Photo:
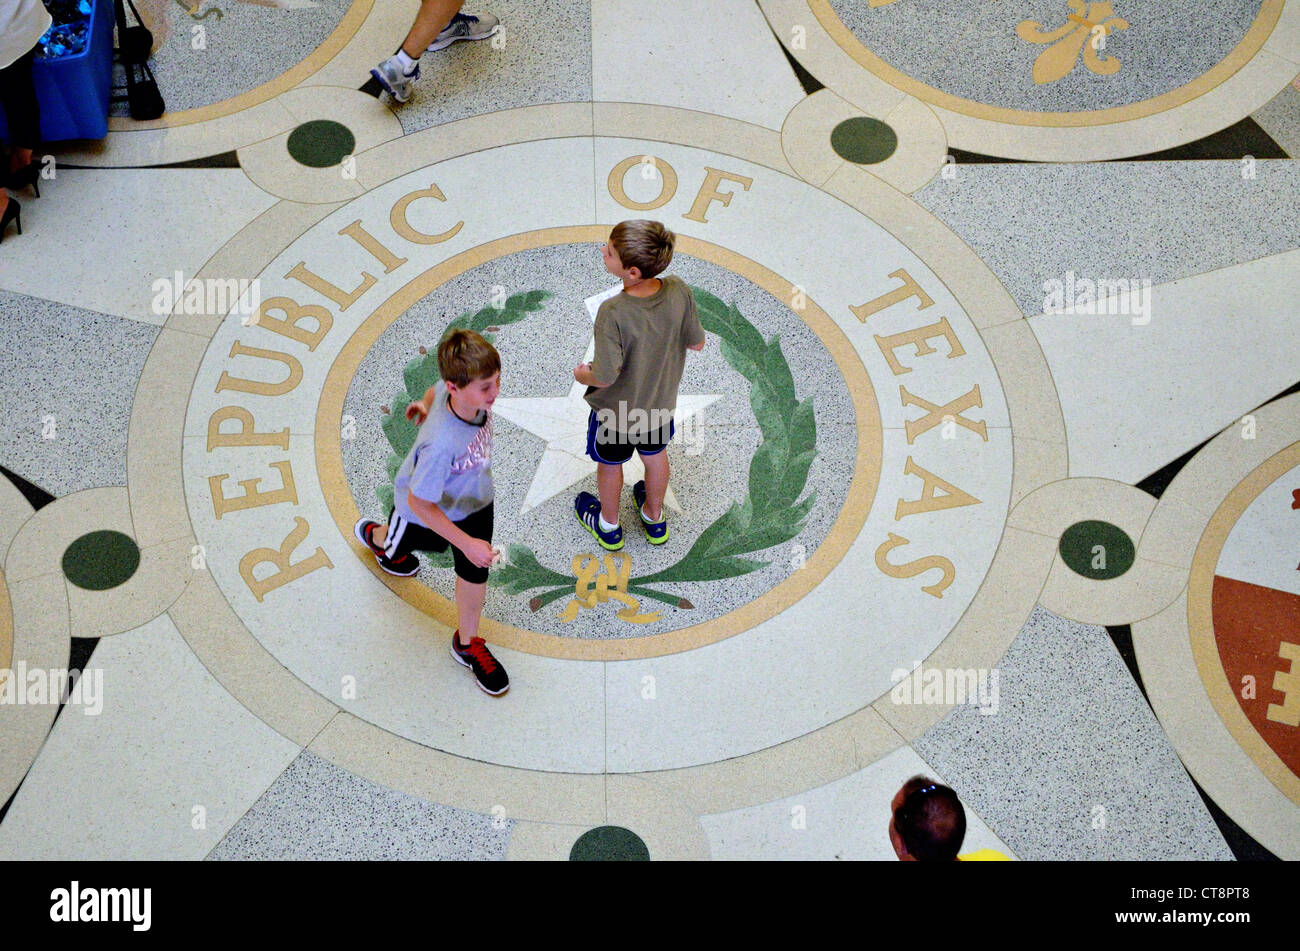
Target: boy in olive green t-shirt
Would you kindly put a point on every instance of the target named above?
(642, 336)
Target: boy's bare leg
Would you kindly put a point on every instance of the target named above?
(379, 535)
(469, 607)
(429, 22)
(609, 483)
(656, 484)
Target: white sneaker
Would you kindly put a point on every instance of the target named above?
(397, 83)
(466, 27)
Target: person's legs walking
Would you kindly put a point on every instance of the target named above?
(22, 112)
(609, 484)
(656, 484)
(469, 608)
(429, 22)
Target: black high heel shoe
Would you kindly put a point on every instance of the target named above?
(13, 212)
(29, 174)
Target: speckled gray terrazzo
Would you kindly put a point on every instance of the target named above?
(1156, 220)
(546, 58)
(315, 810)
(1280, 118)
(1072, 733)
(1163, 48)
(81, 368)
(249, 45)
(538, 355)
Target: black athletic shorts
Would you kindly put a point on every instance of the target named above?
(614, 448)
(405, 536)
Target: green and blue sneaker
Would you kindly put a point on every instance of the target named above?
(586, 508)
(656, 533)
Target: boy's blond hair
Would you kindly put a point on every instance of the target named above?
(464, 356)
(642, 244)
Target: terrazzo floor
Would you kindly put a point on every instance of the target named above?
(999, 490)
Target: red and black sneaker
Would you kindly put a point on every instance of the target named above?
(403, 567)
(489, 673)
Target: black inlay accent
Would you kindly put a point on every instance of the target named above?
(1156, 483)
(36, 497)
(1122, 635)
(1242, 844)
(1241, 139)
(975, 158)
(1237, 140)
(222, 160)
(371, 87)
(80, 651)
(78, 657)
(806, 79)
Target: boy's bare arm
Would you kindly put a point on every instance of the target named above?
(582, 373)
(476, 550)
(418, 411)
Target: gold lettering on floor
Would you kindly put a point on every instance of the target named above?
(1288, 684)
(221, 503)
(909, 289)
(287, 326)
(920, 337)
(911, 569)
(285, 571)
(397, 218)
(930, 500)
(379, 252)
(936, 414)
(709, 192)
(344, 299)
(666, 190)
(237, 349)
(247, 435)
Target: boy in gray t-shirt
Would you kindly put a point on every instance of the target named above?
(642, 335)
(443, 492)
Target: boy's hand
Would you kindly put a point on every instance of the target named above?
(417, 412)
(580, 369)
(479, 552)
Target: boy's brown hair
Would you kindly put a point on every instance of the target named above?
(464, 356)
(645, 245)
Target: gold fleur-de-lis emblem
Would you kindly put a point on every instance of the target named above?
(1084, 32)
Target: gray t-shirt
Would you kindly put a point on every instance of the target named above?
(641, 352)
(450, 464)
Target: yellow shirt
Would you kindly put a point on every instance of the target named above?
(983, 855)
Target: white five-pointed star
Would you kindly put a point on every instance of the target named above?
(562, 422)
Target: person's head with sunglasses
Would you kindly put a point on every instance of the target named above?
(928, 822)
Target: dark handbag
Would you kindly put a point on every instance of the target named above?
(134, 44)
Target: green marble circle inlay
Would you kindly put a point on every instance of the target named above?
(101, 560)
(321, 143)
(1097, 550)
(609, 844)
(863, 140)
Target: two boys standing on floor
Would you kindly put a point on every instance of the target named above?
(443, 491)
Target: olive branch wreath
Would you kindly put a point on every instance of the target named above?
(769, 515)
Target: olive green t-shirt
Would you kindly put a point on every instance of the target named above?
(640, 352)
